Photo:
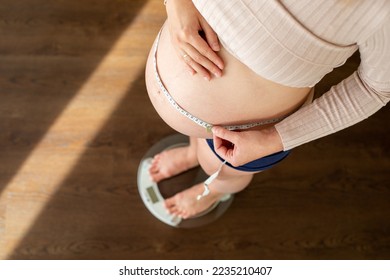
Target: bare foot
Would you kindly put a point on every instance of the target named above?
(185, 205)
(172, 162)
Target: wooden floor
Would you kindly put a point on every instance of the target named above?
(75, 120)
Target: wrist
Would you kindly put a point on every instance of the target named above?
(272, 139)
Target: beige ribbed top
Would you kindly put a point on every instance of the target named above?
(297, 42)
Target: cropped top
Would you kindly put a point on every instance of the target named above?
(297, 42)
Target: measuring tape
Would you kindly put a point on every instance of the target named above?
(197, 120)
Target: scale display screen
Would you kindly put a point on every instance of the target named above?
(152, 194)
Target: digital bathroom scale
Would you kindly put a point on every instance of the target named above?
(153, 194)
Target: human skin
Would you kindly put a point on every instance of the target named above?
(239, 96)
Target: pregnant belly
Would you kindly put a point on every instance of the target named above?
(239, 96)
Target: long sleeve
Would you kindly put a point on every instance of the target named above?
(354, 99)
(297, 42)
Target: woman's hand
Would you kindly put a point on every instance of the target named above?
(187, 26)
(239, 148)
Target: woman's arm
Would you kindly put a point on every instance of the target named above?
(351, 101)
(194, 40)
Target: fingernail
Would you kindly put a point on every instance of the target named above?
(207, 78)
(218, 74)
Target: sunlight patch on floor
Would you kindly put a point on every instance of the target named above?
(51, 162)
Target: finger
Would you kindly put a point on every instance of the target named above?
(193, 63)
(219, 148)
(190, 70)
(224, 148)
(225, 134)
(200, 57)
(225, 152)
(206, 56)
(211, 36)
(184, 57)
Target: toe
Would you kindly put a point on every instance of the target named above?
(184, 215)
(171, 206)
(174, 211)
(154, 166)
(169, 203)
(157, 177)
(153, 170)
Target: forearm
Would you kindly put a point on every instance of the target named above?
(343, 105)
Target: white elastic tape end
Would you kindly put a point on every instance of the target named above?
(209, 181)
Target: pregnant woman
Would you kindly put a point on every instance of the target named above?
(245, 101)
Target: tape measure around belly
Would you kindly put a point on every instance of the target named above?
(197, 120)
